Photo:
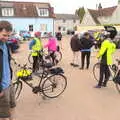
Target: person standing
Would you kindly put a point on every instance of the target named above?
(86, 44)
(105, 54)
(59, 38)
(36, 46)
(75, 47)
(7, 96)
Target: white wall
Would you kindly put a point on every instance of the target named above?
(115, 19)
(87, 19)
(105, 20)
(68, 24)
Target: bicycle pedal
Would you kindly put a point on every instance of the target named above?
(36, 89)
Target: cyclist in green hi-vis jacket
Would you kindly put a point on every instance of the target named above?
(105, 54)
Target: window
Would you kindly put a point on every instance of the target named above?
(64, 20)
(30, 27)
(43, 27)
(59, 28)
(7, 12)
(43, 12)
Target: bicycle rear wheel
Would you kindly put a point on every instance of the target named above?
(17, 87)
(96, 71)
(54, 86)
(58, 56)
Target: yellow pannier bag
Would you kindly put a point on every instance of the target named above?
(24, 73)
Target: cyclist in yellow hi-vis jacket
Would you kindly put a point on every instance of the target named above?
(105, 54)
(35, 45)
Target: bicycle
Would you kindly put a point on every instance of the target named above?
(41, 55)
(47, 57)
(47, 86)
(114, 73)
(113, 69)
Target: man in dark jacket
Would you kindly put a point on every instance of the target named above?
(86, 44)
(75, 47)
(7, 98)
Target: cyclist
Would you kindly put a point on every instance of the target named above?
(52, 46)
(59, 38)
(36, 46)
(105, 53)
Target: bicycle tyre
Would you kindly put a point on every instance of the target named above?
(30, 59)
(50, 84)
(17, 87)
(58, 56)
(117, 87)
(96, 71)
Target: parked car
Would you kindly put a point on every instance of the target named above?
(13, 43)
(70, 32)
(25, 34)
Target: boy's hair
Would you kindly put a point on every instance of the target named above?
(5, 25)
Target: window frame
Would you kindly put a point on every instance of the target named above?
(43, 12)
(31, 29)
(7, 11)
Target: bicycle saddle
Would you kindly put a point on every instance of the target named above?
(56, 70)
(48, 65)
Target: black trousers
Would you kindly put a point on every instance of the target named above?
(52, 54)
(35, 63)
(85, 54)
(104, 74)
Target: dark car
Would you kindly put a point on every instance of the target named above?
(13, 44)
(70, 32)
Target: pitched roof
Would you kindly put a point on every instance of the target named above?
(67, 16)
(26, 9)
(101, 13)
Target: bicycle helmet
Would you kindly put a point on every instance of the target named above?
(111, 30)
(37, 34)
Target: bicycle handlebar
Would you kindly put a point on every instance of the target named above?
(24, 66)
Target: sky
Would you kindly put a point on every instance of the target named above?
(69, 6)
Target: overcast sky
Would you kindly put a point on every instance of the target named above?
(69, 6)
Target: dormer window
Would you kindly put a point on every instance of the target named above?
(7, 12)
(43, 12)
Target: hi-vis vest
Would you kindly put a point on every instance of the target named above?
(110, 47)
(97, 36)
(38, 46)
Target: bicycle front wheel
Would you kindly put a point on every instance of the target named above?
(30, 59)
(96, 71)
(17, 87)
(54, 86)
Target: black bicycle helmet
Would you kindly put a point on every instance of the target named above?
(111, 31)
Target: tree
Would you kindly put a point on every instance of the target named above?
(80, 12)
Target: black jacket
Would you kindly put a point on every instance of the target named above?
(1, 66)
(86, 44)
